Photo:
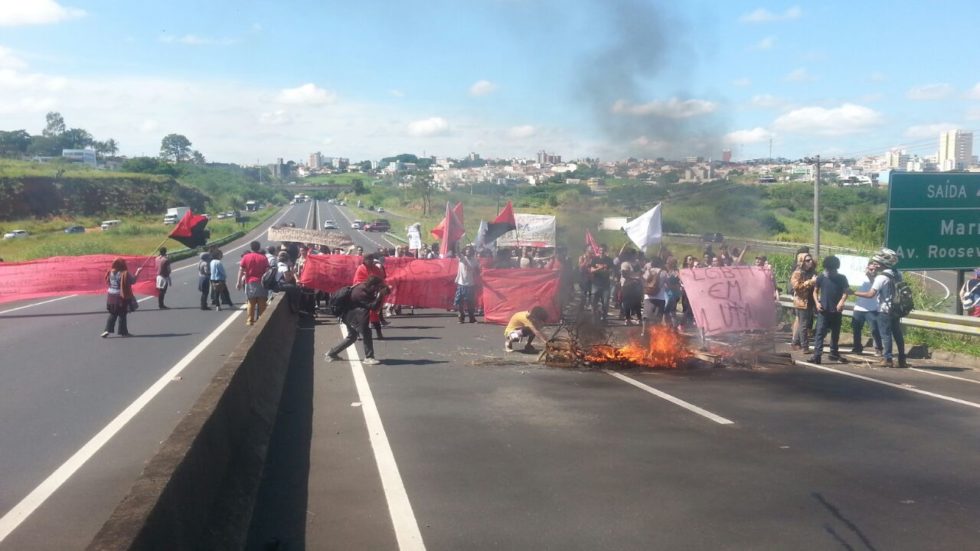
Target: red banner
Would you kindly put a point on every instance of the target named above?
(66, 275)
(506, 291)
(431, 284)
(730, 298)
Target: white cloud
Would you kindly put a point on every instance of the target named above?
(926, 131)
(35, 12)
(433, 126)
(482, 88)
(974, 92)
(762, 15)
(149, 125)
(838, 121)
(799, 75)
(973, 114)
(752, 136)
(195, 40)
(396, 93)
(307, 94)
(765, 44)
(11, 79)
(523, 131)
(877, 76)
(768, 101)
(742, 82)
(644, 142)
(673, 108)
(28, 105)
(9, 60)
(275, 118)
(930, 92)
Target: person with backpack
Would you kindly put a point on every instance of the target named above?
(829, 295)
(894, 302)
(802, 280)
(204, 279)
(371, 265)
(251, 270)
(970, 295)
(362, 299)
(654, 293)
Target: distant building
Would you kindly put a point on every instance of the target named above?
(896, 158)
(955, 150)
(726, 155)
(545, 158)
(84, 156)
(316, 161)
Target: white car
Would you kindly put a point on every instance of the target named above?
(330, 225)
(358, 224)
(15, 234)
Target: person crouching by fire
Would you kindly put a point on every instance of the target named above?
(526, 324)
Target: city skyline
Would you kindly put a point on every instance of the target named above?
(252, 82)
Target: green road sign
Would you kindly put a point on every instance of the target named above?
(934, 220)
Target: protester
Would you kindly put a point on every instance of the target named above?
(271, 254)
(600, 270)
(163, 277)
(654, 293)
(250, 271)
(970, 295)
(467, 275)
(371, 267)
(219, 287)
(120, 300)
(673, 289)
(525, 324)
(204, 279)
(883, 289)
(632, 294)
(286, 280)
(585, 275)
(365, 297)
(830, 291)
(802, 281)
(866, 311)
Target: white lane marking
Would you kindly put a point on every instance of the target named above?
(893, 385)
(964, 379)
(36, 304)
(676, 401)
(12, 519)
(399, 507)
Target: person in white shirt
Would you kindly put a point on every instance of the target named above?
(866, 311)
(466, 284)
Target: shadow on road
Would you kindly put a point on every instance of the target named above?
(279, 518)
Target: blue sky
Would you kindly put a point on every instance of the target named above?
(252, 81)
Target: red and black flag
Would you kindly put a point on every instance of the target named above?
(503, 223)
(192, 230)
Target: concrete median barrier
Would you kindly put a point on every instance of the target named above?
(199, 490)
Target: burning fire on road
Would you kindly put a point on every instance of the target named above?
(662, 348)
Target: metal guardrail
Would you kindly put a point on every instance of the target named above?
(949, 323)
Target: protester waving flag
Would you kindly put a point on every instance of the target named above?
(192, 230)
(503, 223)
(452, 228)
(647, 229)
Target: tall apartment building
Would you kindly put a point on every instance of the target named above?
(896, 159)
(726, 155)
(955, 150)
(545, 158)
(316, 160)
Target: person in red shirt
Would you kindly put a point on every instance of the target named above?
(371, 266)
(250, 271)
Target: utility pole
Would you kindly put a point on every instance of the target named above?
(816, 211)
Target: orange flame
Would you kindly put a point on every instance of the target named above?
(665, 349)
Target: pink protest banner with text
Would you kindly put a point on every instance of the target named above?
(730, 298)
(506, 291)
(67, 275)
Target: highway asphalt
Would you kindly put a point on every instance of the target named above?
(452, 443)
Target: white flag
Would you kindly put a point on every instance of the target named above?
(647, 229)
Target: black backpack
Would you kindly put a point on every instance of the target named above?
(901, 302)
(270, 279)
(340, 302)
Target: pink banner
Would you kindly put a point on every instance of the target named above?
(423, 283)
(66, 275)
(510, 290)
(730, 298)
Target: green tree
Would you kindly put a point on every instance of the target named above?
(148, 165)
(423, 187)
(175, 147)
(197, 157)
(14, 143)
(357, 186)
(44, 146)
(107, 148)
(75, 138)
(55, 125)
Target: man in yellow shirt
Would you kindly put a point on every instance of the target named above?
(525, 324)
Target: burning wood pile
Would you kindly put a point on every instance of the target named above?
(587, 345)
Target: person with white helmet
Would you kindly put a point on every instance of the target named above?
(883, 288)
(970, 295)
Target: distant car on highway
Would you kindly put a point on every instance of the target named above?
(75, 229)
(378, 225)
(712, 238)
(331, 202)
(15, 234)
(107, 225)
(381, 209)
(330, 225)
(357, 224)
(342, 203)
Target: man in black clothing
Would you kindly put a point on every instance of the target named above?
(829, 295)
(601, 269)
(364, 297)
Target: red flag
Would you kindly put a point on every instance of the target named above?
(590, 241)
(503, 223)
(438, 230)
(190, 231)
(452, 229)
